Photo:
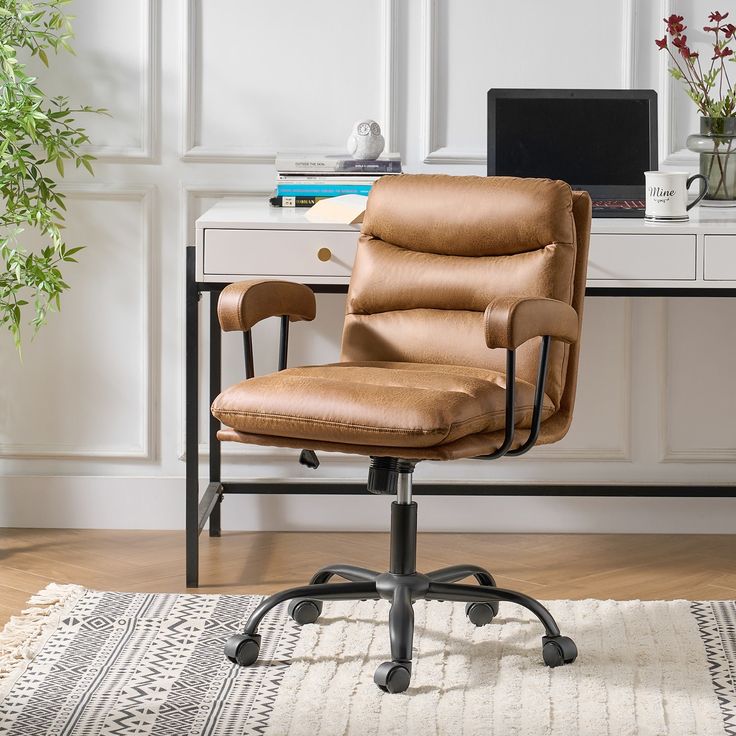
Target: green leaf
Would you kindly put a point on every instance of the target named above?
(35, 130)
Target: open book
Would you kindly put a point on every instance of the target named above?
(346, 209)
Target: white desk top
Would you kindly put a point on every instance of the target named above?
(240, 212)
(717, 220)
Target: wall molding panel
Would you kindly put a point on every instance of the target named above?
(669, 155)
(667, 454)
(629, 13)
(621, 452)
(148, 410)
(433, 150)
(150, 94)
(192, 150)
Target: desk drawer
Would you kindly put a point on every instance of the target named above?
(642, 257)
(720, 258)
(279, 252)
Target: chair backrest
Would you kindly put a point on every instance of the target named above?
(434, 250)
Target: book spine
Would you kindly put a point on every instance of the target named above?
(294, 201)
(337, 166)
(367, 170)
(307, 164)
(377, 167)
(324, 179)
(320, 190)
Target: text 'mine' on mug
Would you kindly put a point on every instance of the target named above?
(666, 195)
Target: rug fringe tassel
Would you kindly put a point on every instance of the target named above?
(24, 636)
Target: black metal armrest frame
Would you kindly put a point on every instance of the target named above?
(510, 420)
(283, 348)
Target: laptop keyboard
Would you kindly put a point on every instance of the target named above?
(618, 204)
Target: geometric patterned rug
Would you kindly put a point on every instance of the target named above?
(94, 663)
(86, 663)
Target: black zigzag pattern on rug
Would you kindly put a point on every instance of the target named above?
(151, 664)
(717, 625)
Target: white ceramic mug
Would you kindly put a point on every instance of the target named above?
(666, 195)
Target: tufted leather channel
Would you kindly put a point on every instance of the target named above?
(394, 404)
(416, 378)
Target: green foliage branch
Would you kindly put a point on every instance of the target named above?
(37, 133)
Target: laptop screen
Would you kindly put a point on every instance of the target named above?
(599, 140)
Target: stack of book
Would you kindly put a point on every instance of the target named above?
(304, 179)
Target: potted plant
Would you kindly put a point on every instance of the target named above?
(708, 84)
(37, 136)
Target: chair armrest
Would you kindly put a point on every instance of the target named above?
(245, 303)
(511, 321)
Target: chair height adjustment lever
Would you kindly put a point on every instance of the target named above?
(309, 458)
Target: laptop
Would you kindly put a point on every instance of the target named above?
(600, 140)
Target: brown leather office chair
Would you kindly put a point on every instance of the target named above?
(460, 341)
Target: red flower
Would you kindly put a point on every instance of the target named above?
(716, 16)
(714, 29)
(729, 30)
(674, 24)
(721, 53)
(661, 43)
(680, 42)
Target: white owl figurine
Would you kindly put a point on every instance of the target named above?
(366, 142)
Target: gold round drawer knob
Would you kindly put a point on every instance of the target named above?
(324, 254)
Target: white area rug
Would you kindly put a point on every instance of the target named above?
(88, 663)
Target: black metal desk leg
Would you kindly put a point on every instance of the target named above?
(215, 445)
(191, 429)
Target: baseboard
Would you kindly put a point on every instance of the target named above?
(158, 503)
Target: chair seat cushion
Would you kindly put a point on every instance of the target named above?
(380, 403)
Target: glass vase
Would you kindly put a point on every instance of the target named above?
(716, 146)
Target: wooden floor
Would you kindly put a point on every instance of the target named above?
(546, 566)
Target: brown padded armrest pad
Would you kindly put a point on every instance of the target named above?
(511, 321)
(245, 303)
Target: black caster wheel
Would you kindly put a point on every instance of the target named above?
(393, 677)
(558, 650)
(481, 614)
(305, 610)
(242, 649)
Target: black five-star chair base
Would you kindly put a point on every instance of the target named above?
(402, 585)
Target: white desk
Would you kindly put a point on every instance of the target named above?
(242, 239)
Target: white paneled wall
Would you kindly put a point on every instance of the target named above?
(84, 389)
(238, 54)
(475, 44)
(202, 94)
(116, 68)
